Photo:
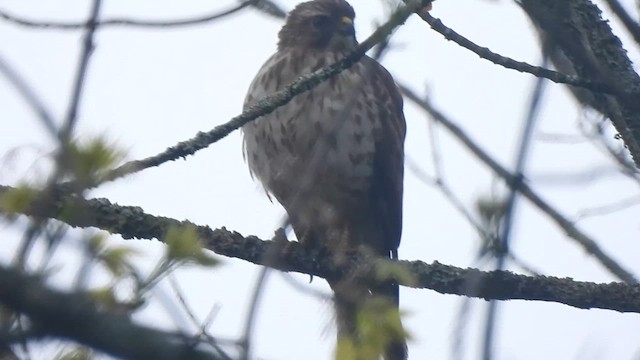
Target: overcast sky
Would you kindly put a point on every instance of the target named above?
(148, 89)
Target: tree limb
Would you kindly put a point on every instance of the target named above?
(577, 29)
(132, 222)
(77, 317)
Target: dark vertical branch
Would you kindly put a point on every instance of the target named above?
(81, 73)
(64, 136)
(245, 341)
(510, 203)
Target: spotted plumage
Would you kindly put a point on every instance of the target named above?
(332, 156)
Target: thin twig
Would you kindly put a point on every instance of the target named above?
(270, 8)
(508, 218)
(162, 24)
(81, 74)
(509, 63)
(202, 326)
(446, 191)
(629, 22)
(582, 177)
(177, 291)
(587, 243)
(245, 341)
(608, 208)
(30, 96)
(618, 154)
(526, 268)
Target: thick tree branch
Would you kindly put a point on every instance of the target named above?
(576, 28)
(132, 222)
(77, 317)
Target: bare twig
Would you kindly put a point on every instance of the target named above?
(608, 208)
(245, 342)
(204, 325)
(510, 203)
(509, 63)
(163, 24)
(270, 8)
(446, 191)
(580, 177)
(177, 291)
(618, 154)
(629, 22)
(81, 74)
(587, 243)
(29, 96)
(526, 268)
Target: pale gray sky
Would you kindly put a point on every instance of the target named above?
(147, 89)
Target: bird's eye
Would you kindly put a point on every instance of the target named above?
(320, 21)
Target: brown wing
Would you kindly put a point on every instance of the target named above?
(387, 185)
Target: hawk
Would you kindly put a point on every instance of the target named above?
(333, 156)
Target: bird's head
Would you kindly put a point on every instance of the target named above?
(319, 25)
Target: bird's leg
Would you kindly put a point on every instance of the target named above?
(279, 247)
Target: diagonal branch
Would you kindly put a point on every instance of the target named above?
(30, 96)
(264, 106)
(132, 222)
(625, 17)
(485, 53)
(589, 244)
(270, 8)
